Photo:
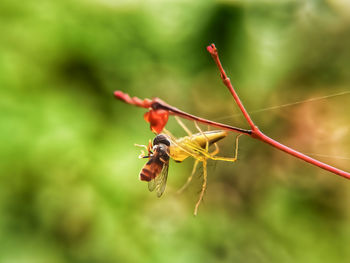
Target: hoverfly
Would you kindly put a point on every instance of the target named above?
(155, 171)
(166, 146)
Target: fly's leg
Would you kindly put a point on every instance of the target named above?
(204, 187)
(189, 179)
(183, 126)
(148, 149)
(142, 155)
(227, 159)
(141, 146)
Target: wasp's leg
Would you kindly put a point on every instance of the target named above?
(183, 126)
(168, 133)
(172, 137)
(205, 136)
(174, 142)
(227, 159)
(216, 151)
(189, 179)
(204, 186)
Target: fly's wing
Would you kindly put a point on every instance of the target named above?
(153, 168)
(157, 168)
(160, 180)
(152, 185)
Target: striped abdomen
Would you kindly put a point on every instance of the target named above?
(151, 169)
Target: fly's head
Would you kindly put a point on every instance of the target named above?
(161, 144)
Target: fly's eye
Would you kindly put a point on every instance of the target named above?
(161, 147)
(163, 151)
(161, 138)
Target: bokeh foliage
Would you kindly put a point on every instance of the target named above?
(69, 188)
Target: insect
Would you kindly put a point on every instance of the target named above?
(166, 146)
(155, 171)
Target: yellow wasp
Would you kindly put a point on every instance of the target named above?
(166, 146)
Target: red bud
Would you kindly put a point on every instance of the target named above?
(157, 119)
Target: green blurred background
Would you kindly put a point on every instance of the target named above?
(69, 187)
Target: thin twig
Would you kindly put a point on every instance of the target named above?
(257, 134)
(157, 104)
(214, 53)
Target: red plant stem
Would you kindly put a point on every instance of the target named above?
(214, 53)
(262, 137)
(159, 104)
(257, 134)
